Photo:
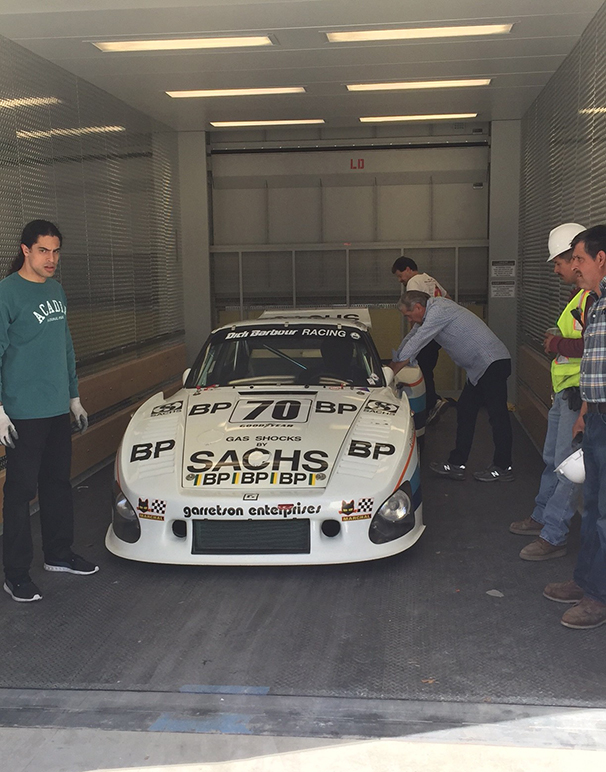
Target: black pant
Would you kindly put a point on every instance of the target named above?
(41, 459)
(491, 391)
(427, 359)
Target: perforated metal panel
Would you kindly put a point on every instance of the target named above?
(563, 173)
(111, 192)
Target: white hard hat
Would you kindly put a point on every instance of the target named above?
(560, 238)
(573, 467)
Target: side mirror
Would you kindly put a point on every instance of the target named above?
(388, 374)
(185, 374)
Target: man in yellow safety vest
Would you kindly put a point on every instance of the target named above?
(557, 498)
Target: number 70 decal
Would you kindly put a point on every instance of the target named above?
(259, 411)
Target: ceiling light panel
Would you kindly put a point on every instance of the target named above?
(404, 118)
(253, 124)
(412, 85)
(417, 33)
(235, 92)
(180, 44)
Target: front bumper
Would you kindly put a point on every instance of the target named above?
(159, 543)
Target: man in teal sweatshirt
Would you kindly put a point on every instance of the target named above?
(38, 388)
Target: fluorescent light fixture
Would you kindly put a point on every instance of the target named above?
(181, 44)
(592, 111)
(417, 33)
(418, 84)
(401, 118)
(233, 92)
(29, 102)
(242, 124)
(70, 132)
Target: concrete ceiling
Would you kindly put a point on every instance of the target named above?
(519, 63)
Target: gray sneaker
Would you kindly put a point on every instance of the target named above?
(453, 471)
(22, 590)
(73, 564)
(495, 474)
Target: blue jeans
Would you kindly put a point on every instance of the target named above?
(557, 498)
(590, 570)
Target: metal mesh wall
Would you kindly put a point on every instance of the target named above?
(563, 173)
(106, 175)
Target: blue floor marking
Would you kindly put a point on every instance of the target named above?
(222, 723)
(205, 689)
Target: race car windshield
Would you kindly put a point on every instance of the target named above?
(319, 355)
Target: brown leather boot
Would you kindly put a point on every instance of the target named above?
(539, 549)
(528, 527)
(564, 592)
(587, 614)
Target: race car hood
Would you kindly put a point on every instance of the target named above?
(273, 438)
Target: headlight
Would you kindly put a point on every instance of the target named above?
(394, 518)
(124, 518)
(397, 506)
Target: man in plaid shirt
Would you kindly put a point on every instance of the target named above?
(588, 588)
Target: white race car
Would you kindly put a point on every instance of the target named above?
(288, 444)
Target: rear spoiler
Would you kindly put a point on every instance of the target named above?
(361, 315)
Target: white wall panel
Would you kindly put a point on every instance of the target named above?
(352, 196)
(404, 212)
(271, 166)
(459, 211)
(295, 215)
(240, 216)
(348, 214)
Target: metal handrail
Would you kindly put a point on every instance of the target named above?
(242, 249)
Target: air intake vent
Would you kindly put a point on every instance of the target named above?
(250, 537)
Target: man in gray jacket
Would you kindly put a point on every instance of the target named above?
(474, 347)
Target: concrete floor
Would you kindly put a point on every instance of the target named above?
(84, 750)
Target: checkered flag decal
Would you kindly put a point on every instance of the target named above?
(365, 506)
(158, 507)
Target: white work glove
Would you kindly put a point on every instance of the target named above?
(80, 414)
(8, 433)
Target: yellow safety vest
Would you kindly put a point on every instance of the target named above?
(566, 371)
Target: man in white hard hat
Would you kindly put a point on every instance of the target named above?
(557, 498)
(588, 588)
